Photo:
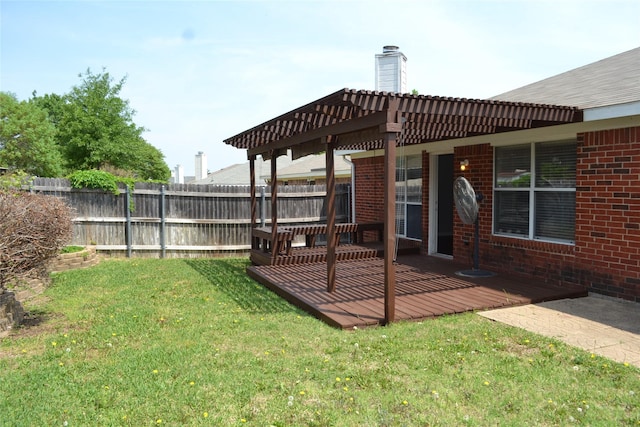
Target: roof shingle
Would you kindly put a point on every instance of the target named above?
(610, 81)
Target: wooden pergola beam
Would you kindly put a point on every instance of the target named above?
(364, 122)
(335, 114)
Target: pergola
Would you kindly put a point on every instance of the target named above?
(366, 120)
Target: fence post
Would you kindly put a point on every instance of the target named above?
(127, 209)
(163, 246)
(224, 217)
(263, 207)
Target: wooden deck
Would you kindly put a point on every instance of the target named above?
(426, 287)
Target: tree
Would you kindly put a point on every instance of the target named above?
(96, 130)
(147, 161)
(27, 138)
(52, 103)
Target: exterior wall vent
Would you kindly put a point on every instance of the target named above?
(391, 70)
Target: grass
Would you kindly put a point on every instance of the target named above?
(196, 342)
(71, 249)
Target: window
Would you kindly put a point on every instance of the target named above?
(535, 191)
(409, 196)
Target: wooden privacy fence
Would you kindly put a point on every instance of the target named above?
(185, 220)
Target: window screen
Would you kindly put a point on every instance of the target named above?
(555, 215)
(534, 191)
(513, 167)
(409, 196)
(512, 213)
(556, 165)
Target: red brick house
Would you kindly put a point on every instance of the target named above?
(584, 228)
(561, 185)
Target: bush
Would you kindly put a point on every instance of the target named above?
(101, 180)
(16, 180)
(33, 228)
(94, 179)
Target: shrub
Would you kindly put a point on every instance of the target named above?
(94, 179)
(33, 228)
(101, 180)
(15, 181)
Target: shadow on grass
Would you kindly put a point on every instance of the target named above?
(229, 277)
(34, 318)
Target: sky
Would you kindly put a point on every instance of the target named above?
(198, 72)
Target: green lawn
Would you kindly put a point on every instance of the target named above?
(196, 342)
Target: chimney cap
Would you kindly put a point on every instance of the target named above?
(390, 48)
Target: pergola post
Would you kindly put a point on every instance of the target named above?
(391, 130)
(331, 217)
(274, 206)
(252, 192)
(389, 226)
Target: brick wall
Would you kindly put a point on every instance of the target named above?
(71, 261)
(608, 212)
(548, 262)
(606, 255)
(480, 174)
(369, 188)
(369, 192)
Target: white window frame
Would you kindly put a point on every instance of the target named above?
(532, 190)
(401, 205)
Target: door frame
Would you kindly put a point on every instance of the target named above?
(433, 203)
